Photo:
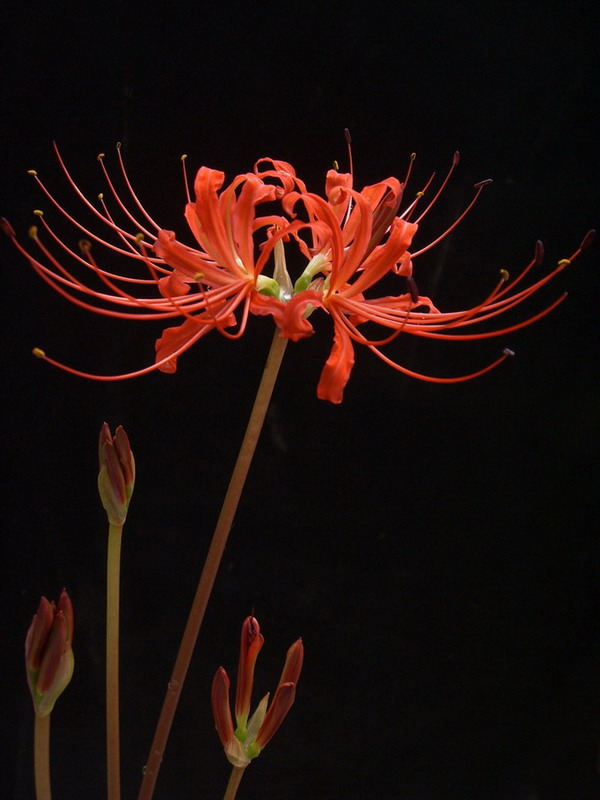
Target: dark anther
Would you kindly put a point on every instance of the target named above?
(7, 227)
(538, 255)
(411, 286)
(588, 239)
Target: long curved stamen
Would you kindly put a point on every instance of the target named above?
(411, 161)
(92, 207)
(185, 177)
(478, 187)
(136, 199)
(80, 260)
(137, 224)
(455, 160)
(351, 170)
(203, 330)
(86, 231)
(418, 197)
(433, 379)
(129, 244)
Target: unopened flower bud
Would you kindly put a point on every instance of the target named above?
(48, 653)
(117, 473)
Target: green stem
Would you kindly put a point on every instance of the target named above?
(113, 569)
(41, 757)
(211, 565)
(234, 781)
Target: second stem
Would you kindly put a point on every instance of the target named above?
(211, 565)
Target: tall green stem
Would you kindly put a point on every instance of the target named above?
(113, 569)
(234, 781)
(41, 757)
(211, 565)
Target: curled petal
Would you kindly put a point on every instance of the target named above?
(172, 286)
(337, 369)
(295, 324)
(189, 263)
(265, 305)
(178, 338)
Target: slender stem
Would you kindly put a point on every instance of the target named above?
(113, 569)
(41, 757)
(234, 782)
(211, 565)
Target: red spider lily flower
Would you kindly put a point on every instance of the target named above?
(350, 240)
(116, 476)
(251, 735)
(49, 658)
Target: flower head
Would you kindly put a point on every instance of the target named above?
(349, 241)
(116, 476)
(49, 658)
(245, 742)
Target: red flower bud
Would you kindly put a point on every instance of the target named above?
(116, 477)
(48, 655)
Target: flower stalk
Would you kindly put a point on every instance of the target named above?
(237, 773)
(41, 757)
(116, 479)
(113, 570)
(211, 565)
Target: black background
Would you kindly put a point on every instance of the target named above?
(434, 545)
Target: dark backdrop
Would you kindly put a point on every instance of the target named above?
(434, 545)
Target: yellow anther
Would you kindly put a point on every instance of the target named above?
(139, 237)
(31, 172)
(564, 262)
(100, 156)
(101, 196)
(198, 276)
(184, 156)
(419, 194)
(38, 352)
(38, 213)
(504, 274)
(85, 245)
(336, 166)
(118, 145)
(413, 156)
(33, 232)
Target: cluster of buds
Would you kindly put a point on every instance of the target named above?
(116, 477)
(252, 734)
(48, 653)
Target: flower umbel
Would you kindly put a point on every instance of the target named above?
(251, 735)
(349, 240)
(116, 476)
(48, 653)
